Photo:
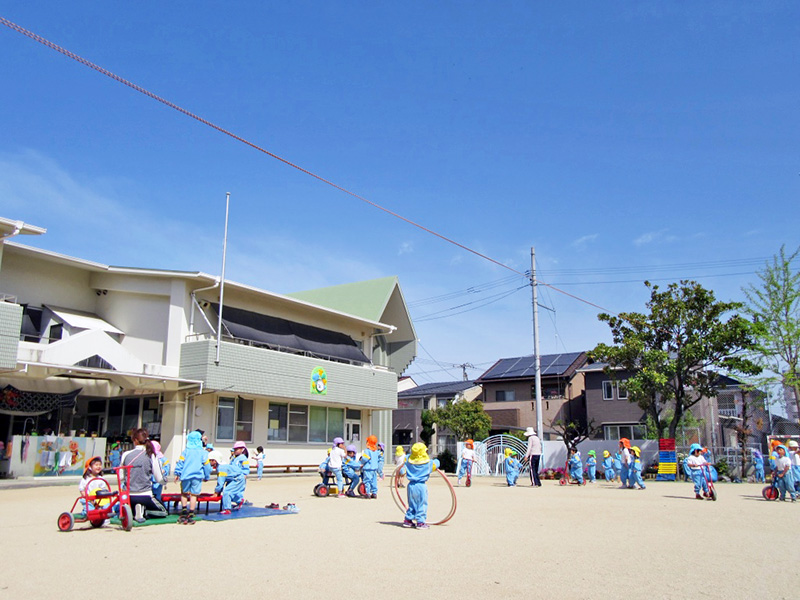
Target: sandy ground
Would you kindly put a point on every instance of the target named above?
(592, 542)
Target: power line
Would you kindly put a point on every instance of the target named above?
(183, 111)
(485, 302)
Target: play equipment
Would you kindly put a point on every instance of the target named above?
(398, 498)
(771, 492)
(325, 489)
(712, 492)
(566, 479)
(468, 476)
(207, 497)
(99, 504)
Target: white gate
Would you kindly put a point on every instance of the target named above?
(490, 454)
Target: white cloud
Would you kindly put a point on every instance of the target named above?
(104, 221)
(655, 237)
(584, 240)
(405, 248)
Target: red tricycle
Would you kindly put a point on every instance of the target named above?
(100, 502)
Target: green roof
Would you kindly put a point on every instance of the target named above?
(365, 299)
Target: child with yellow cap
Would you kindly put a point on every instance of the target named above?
(400, 461)
(636, 469)
(419, 467)
(512, 467)
(608, 466)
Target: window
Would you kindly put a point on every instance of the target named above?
(504, 396)
(225, 410)
(633, 431)
(622, 391)
(235, 419)
(608, 392)
(301, 424)
(276, 427)
(298, 423)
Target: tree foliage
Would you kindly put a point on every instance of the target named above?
(573, 432)
(464, 419)
(774, 306)
(677, 350)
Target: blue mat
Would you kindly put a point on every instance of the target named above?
(248, 511)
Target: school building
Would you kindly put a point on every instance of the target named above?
(89, 348)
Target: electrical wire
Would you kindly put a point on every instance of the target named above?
(485, 302)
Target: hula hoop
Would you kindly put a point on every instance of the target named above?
(398, 499)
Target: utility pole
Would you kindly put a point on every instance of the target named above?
(536, 358)
(222, 278)
(464, 367)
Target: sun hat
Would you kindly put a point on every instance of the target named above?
(529, 432)
(400, 451)
(419, 454)
(337, 441)
(626, 443)
(157, 448)
(372, 442)
(216, 455)
(382, 446)
(592, 453)
(470, 443)
(792, 444)
(694, 447)
(606, 453)
(91, 460)
(636, 450)
(351, 448)
(239, 445)
(508, 452)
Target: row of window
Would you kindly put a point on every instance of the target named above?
(609, 389)
(551, 391)
(634, 431)
(297, 423)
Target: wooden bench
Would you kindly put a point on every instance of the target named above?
(288, 468)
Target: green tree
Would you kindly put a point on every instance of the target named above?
(774, 306)
(573, 432)
(428, 428)
(464, 419)
(677, 350)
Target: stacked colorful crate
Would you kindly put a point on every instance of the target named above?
(667, 460)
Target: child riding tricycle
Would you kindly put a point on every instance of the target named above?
(98, 501)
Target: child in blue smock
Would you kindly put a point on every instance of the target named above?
(381, 459)
(591, 466)
(370, 461)
(608, 466)
(115, 455)
(259, 458)
(512, 467)
(784, 480)
(758, 466)
(323, 469)
(233, 495)
(794, 455)
(618, 466)
(636, 469)
(695, 462)
(419, 467)
(192, 469)
(575, 465)
(350, 468)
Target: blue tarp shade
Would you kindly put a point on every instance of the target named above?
(22, 403)
(289, 335)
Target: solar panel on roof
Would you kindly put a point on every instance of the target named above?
(525, 366)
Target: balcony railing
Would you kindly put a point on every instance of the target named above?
(728, 412)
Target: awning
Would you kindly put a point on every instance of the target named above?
(282, 333)
(83, 320)
(30, 404)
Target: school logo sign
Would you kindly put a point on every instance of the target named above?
(319, 382)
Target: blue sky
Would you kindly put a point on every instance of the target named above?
(626, 141)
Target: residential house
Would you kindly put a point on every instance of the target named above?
(406, 419)
(509, 391)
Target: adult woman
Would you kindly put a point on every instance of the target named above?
(144, 469)
(534, 454)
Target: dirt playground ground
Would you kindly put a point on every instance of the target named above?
(552, 542)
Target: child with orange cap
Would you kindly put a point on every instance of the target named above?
(467, 459)
(419, 467)
(370, 463)
(626, 462)
(91, 483)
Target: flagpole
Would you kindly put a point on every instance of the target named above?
(222, 277)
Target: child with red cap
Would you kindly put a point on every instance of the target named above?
(467, 459)
(370, 463)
